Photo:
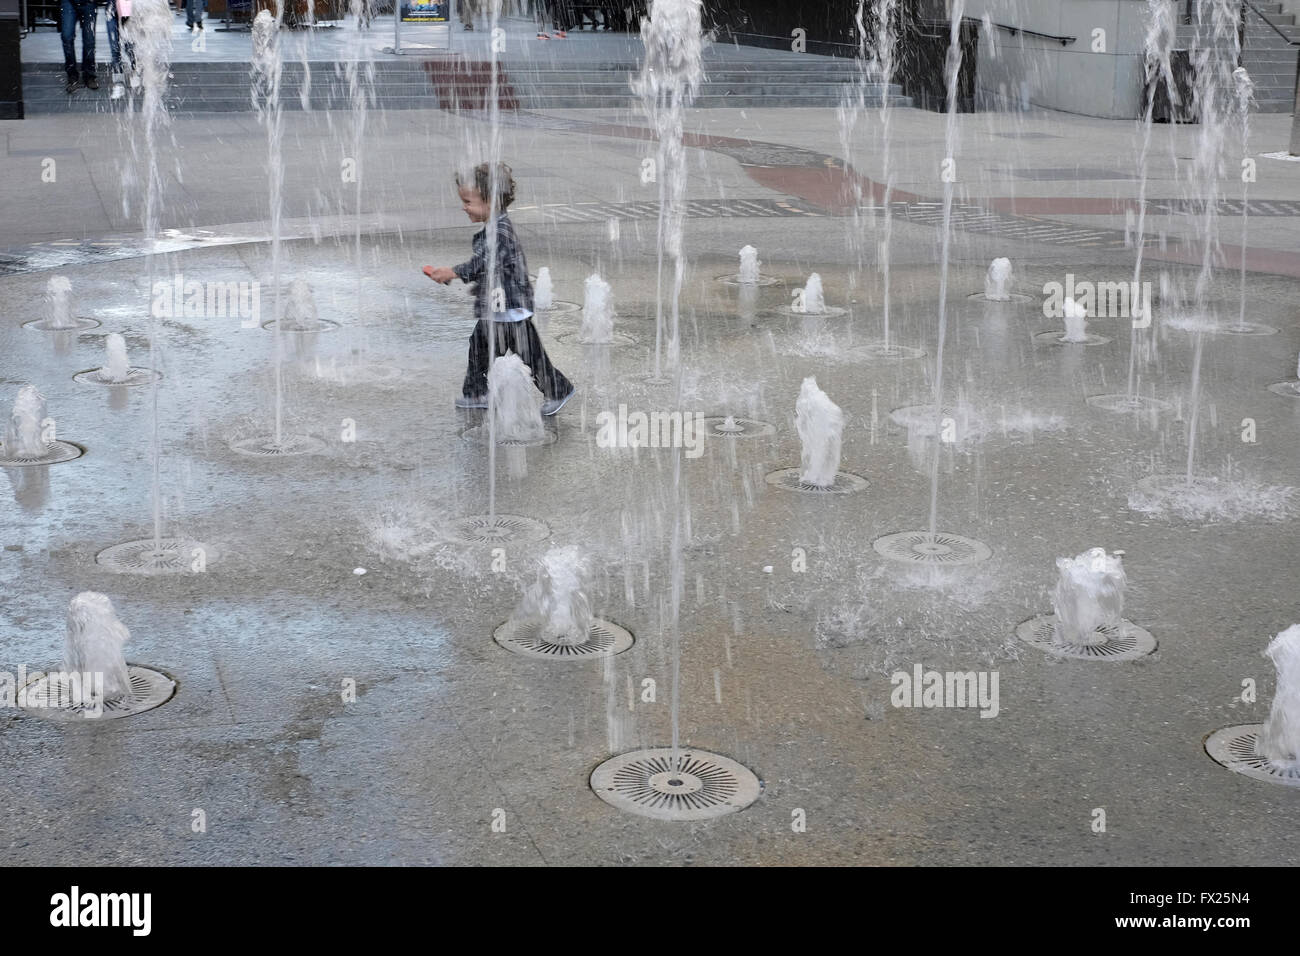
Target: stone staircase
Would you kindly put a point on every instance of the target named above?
(454, 82)
(1269, 53)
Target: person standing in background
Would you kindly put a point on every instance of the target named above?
(467, 10)
(194, 15)
(79, 12)
(119, 12)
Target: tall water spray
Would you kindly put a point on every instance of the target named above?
(1215, 51)
(94, 641)
(1244, 90)
(875, 64)
(1158, 42)
(670, 77)
(952, 69)
(266, 72)
(1089, 595)
(1280, 741)
(820, 423)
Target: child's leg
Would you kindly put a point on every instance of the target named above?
(527, 344)
(475, 384)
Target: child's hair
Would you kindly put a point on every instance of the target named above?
(483, 184)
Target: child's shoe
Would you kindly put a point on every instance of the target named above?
(553, 405)
(561, 35)
(119, 87)
(543, 36)
(475, 401)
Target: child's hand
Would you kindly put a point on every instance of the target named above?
(440, 274)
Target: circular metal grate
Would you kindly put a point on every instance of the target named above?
(831, 312)
(479, 435)
(845, 483)
(604, 639)
(55, 452)
(1237, 748)
(50, 696)
(559, 307)
(881, 352)
(1242, 328)
(318, 325)
(497, 529)
(135, 376)
(1057, 337)
(923, 547)
(1289, 389)
(1124, 643)
(617, 339)
(1014, 297)
(699, 786)
(1127, 403)
(734, 279)
(739, 428)
(171, 556)
(265, 446)
(80, 325)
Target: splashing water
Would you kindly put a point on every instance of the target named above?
(597, 312)
(1076, 321)
(749, 265)
(997, 281)
(810, 299)
(116, 367)
(1089, 595)
(23, 431)
(556, 602)
(94, 642)
(300, 308)
(58, 303)
(516, 402)
(544, 292)
(820, 423)
(1280, 741)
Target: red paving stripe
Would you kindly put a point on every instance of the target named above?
(835, 187)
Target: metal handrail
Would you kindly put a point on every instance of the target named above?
(1064, 41)
(1276, 28)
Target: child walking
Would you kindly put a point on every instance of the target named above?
(512, 328)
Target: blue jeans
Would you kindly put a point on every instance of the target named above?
(83, 12)
(193, 12)
(114, 46)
